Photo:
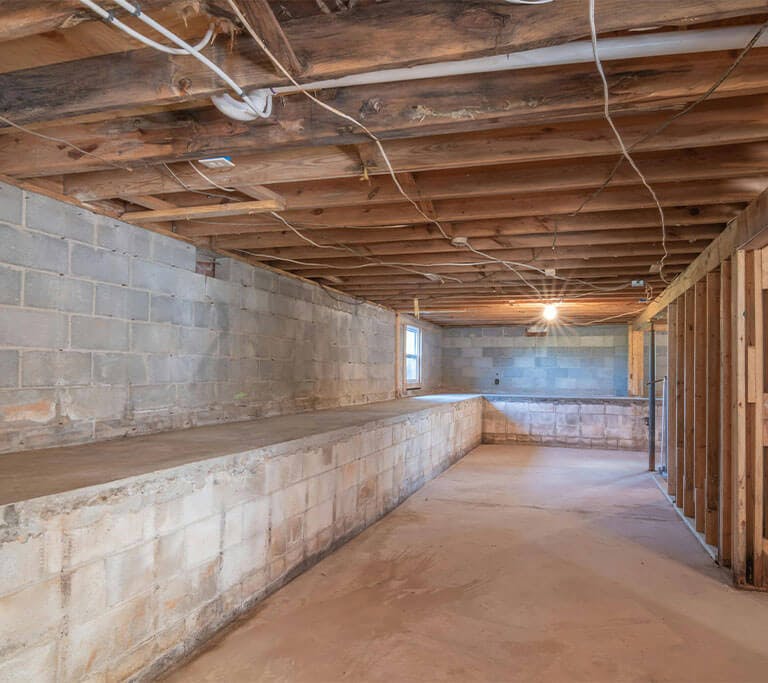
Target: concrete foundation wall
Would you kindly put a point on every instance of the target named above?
(591, 422)
(115, 581)
(569, 361)
(106, 330)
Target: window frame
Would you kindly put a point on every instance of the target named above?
(415, 384)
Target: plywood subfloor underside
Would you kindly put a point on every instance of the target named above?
(518, 564)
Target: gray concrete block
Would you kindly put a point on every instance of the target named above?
(99, 334)
(9, 369)
(197, 340)
(55, 368)
(62, 293)
(153, 397)
(29, 328)
(123, 238)
(33, 250)
(170, 309)
(100, 264)
(162, 279)
(152, 338)
(59, 218)
(119, 368)
(173, 252)
(10, 286)
(10, 203)
(121, 302)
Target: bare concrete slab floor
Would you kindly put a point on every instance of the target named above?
(518, 564)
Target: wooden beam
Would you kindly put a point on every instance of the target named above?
(20, 18)
(212, 211)
(744, 228)
(639, 86)
(720, 123)
(372, 37)
(262, 19)
(712, 435)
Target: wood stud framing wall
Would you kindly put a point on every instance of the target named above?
(717, 412)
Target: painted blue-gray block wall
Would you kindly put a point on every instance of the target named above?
(569, 361)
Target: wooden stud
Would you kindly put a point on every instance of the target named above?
(726, 394)
(636, 361)
(671, 416)
(689, 419)
(756, 445)
(680, 399)
(739, 420)
(712, 436)
(700, 402)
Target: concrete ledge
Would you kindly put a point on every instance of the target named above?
(127, 573)
(591, 422)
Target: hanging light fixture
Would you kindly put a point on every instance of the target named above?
(550, 312)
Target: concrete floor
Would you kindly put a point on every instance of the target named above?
(518, 564)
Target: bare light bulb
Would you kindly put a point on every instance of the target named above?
(550, 312)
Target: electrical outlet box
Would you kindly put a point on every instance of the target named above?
(217, 162)
(638, 283)
(550, 272)
(460, 241)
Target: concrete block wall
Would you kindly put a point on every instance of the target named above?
(569, 361)
(617, 423)
(106, 330)
(113, 582)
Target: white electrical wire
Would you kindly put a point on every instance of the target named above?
(210, 180)
(620, 140)
(185, 47)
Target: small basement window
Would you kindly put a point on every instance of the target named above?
(412, 357)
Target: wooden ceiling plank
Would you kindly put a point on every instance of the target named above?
(639, 85)
(373, 38)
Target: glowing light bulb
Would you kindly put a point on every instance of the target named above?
(550, 312)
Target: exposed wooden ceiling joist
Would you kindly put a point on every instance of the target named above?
(373, 37)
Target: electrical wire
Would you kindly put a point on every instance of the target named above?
(210, 180)
(358, 124)
(687, 109)
(62, 141)
(620, 140)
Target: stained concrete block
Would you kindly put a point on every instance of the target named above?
(36, 664)
(100, 264)
(130, 572)
(55, 368)
(99, 334)
(123, 238)
(202, 541)
(30, 616)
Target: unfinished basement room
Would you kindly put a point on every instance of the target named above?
(383, 341)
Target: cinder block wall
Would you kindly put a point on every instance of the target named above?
(106, 330)
(116, 581)
(572, 361)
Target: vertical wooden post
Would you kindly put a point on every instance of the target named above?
(739, 420)
(636, 369)
(700, 401)
(756, 445)
(652, 399)
(726, 397)
(671, 416)
(712, 484)
(398, 357)
(689, 419)
(680, 400)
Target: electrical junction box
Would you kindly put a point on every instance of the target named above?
(217, 162)
(550, 272)
(638, 283)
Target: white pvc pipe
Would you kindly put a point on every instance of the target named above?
(578, 52)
